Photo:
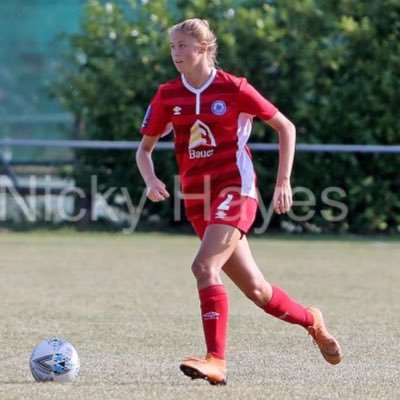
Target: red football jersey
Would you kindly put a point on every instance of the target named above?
(211, 128)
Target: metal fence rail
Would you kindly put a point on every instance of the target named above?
(53, 118)
(133, 145)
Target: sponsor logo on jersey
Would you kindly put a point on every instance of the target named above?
(146, 117)
(177, 110)
(218, 107)
(201, 136)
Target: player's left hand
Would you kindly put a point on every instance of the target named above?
(283, 199)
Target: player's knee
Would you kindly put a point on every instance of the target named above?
(203, 271)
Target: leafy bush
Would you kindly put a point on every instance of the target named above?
(330, 66)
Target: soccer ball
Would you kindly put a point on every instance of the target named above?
(54, 360)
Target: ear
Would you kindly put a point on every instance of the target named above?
(203, 47)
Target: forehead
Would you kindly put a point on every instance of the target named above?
(179, 36)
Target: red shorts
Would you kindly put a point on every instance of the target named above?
(229, 209)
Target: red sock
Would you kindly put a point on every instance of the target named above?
(283, 307)
(214, 314)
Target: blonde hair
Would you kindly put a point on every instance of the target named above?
(200, 30)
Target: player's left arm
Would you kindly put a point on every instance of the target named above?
(287, 143)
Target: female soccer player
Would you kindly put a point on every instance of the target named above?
(210, 112)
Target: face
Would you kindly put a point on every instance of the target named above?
(186, 52)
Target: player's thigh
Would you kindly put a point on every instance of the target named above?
(243, 270)
(218, 244)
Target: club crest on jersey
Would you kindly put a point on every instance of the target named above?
(218, 107)
(201, 137)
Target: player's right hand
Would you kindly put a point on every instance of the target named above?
(156, 190)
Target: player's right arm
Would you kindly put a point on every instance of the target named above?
(156, 190)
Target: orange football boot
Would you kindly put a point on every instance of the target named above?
(210, 369)
(328, 345)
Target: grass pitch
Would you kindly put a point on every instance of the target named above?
(129, 306)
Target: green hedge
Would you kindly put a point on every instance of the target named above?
(331, 66)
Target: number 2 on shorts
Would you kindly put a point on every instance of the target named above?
(226, 203)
